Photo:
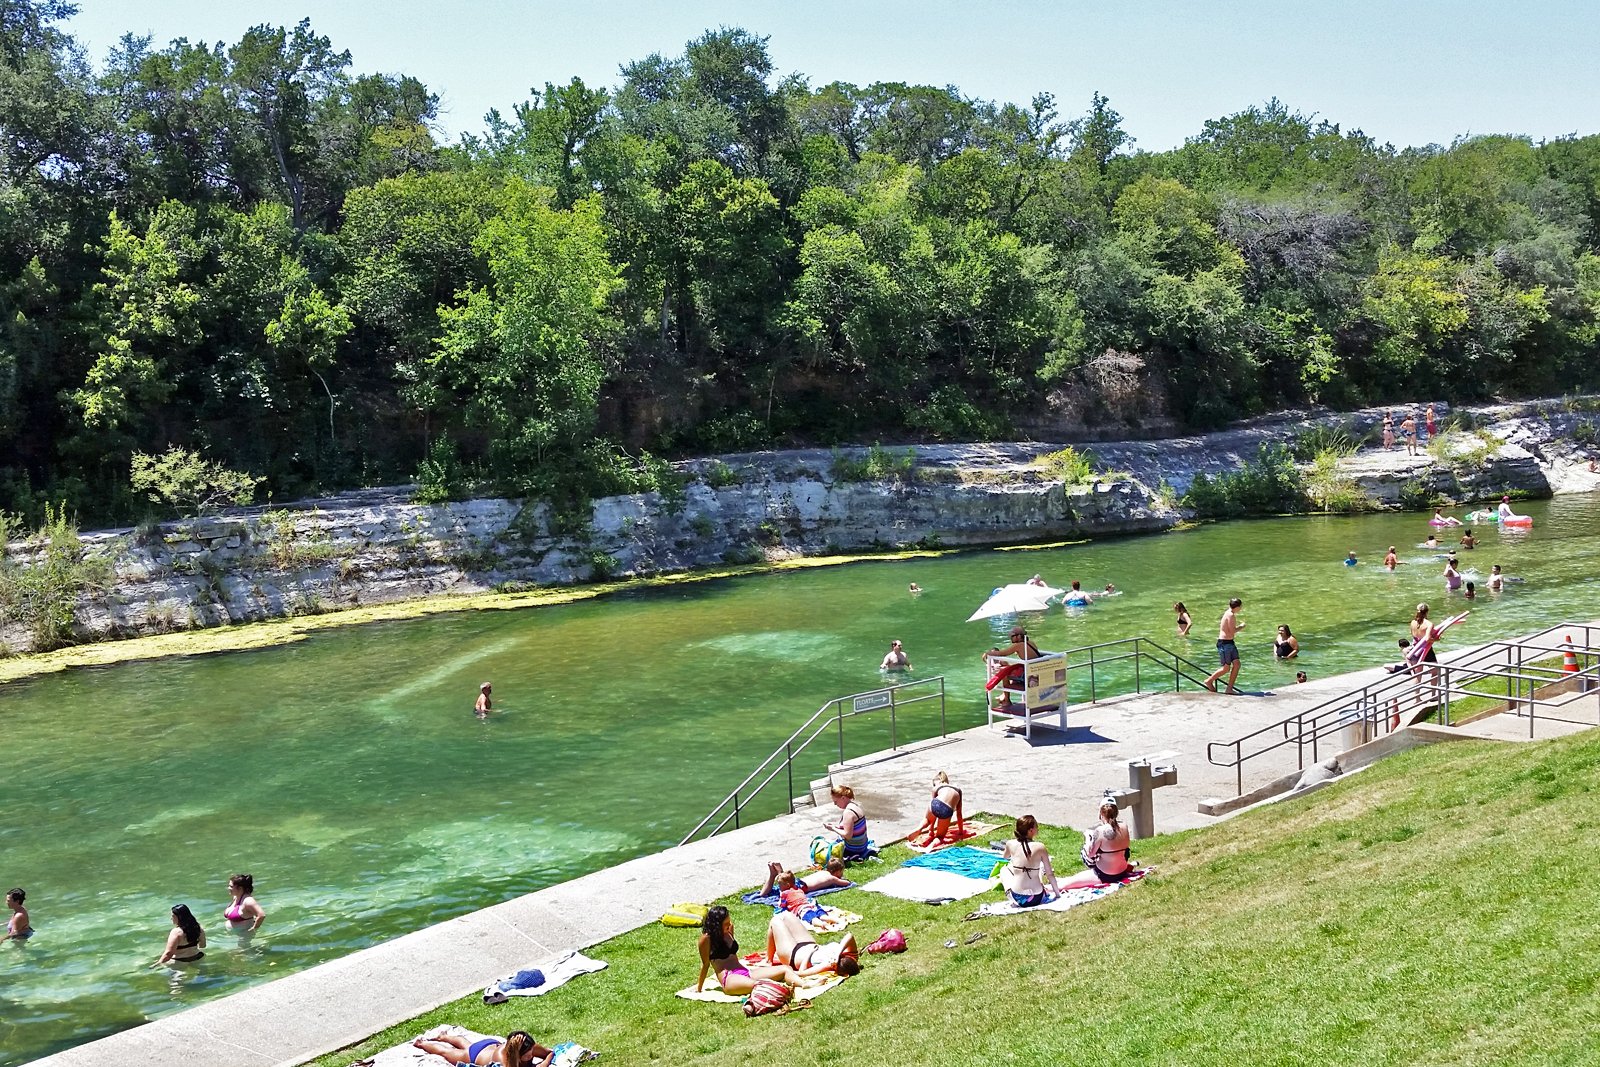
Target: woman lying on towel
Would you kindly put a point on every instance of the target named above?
(789, 942)
(1106, 851)
(1028, 868)
(720, 952)
(517, 1050)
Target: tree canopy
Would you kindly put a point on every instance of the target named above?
(252, 253)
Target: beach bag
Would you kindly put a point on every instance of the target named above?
(684, 915)
(767, 996)
(825, 847)
(889, 941)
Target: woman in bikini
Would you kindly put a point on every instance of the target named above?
(790, 944)
(244, 908)
(186, 942)
(1184, 622)
(1106, 851)
(18, 928)
(516, 1050)
(851, 823)
(944, 805)
(1021, 647)
(1027, 870)
(719, 952)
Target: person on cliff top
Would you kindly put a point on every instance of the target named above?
(1388, 430)
(1432, 422)
(481, 708)
(1408, 430)
(896, 659)
(1468, 541)
(1227, 650)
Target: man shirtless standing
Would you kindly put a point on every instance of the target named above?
(1227, 651)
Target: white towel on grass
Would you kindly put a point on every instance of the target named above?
(1071, 898)
(928, 886)
(713, 994)
(557, 972)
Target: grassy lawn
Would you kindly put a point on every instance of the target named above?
(1436, 909)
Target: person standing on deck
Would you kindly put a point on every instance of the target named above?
(1227, 651)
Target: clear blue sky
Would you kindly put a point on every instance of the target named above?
(1411, 72)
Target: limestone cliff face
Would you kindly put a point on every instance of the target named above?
(376, 546)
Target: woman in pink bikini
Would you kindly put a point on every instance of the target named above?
(244, 908)
(719, 952)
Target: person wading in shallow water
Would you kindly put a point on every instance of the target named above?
(1227, 651)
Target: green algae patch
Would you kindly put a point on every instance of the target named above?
(266, 634)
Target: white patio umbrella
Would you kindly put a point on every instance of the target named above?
(1010, 599)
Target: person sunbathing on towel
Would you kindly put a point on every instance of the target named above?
(1027, 870)
(1106, 851)
(829, 877)
(719, 952)
(945, 804)
(792, 898)
(789, 943)
(517, 1050)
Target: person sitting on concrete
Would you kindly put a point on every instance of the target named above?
(942, 806)
(851, 824)
(1106, 851)
(517, 1050)
(1028, 870)
(790, 944)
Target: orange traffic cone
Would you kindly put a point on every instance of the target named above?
(1569, 660)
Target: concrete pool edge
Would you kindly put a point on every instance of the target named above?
(271, 633)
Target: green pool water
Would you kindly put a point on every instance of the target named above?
(348, 774)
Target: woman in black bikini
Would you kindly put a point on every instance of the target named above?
(790, 943)
(1106, 851)
(1028, 868)
(719, 952)
(186, 941)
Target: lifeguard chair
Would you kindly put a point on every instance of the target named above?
(1039, 692)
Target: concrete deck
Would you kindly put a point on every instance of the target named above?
(1058, 777)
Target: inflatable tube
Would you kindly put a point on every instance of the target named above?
(1517, 520)
(1483, 516)
(1445, 522)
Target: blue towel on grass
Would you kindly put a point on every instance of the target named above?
(964, 860)
(771, 899)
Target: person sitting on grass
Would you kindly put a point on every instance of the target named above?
(790, 944)
(517, 1050)
(1027, 870)
(944, 804)
(829, 877)
(1106, 851)
(719, 952)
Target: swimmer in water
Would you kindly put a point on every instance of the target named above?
(1441, 519)
(1468, 541)
(1184, 622)
(1036, 580)
(914, 589)
(1497, 581)
(1390, 560)
(1472, 591)
(18, 928)
(244, 908)
(1077, 598)
(1350, 560)
(1452, 577)
(1299, 676)
(1111, 590)
(481, 708)
(1431, 542)
(896, 659)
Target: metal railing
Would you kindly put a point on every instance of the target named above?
(830, 717)
(1147, 657)
(1382, 706)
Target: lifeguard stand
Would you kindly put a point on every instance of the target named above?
(1039, 694)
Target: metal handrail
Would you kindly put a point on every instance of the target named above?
(1136, 649)
(1375, 706)
(831, 716)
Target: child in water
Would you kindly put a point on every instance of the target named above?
(1350, 560)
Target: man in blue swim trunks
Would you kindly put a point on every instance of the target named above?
(1227, 651)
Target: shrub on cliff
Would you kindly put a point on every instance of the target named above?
(1269, 485)
(189, 483)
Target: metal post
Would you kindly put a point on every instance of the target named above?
(1144, 816)
(942, 732)
(894, 734)
(735, 809)
(838, 717)
(1094, 694)
(788, 765)
(1137, 687)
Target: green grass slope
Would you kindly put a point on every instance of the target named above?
(1436, 909)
